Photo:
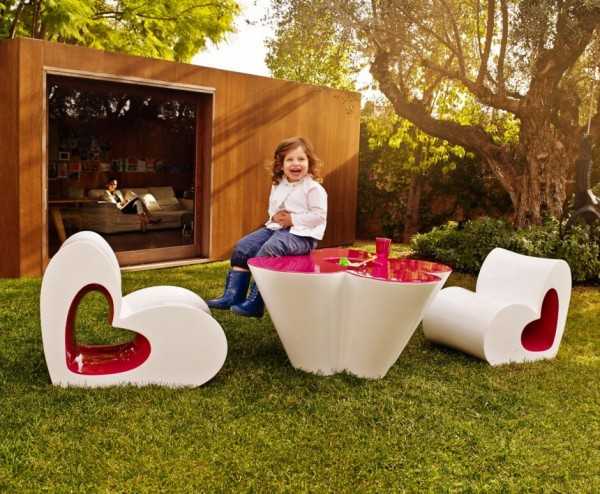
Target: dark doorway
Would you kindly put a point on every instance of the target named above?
(152, 142)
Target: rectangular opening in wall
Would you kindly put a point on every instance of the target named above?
(126, 161)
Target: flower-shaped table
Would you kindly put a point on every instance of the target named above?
(333, 318)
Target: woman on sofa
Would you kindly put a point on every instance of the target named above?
(130, 205)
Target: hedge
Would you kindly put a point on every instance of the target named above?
(465, 246)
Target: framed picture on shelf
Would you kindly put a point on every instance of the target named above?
(132, 165)
(64, 156)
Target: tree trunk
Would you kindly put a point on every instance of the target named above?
(36, 21)
(549, 157)
(539, 189)
(413, 206)
(535, 173)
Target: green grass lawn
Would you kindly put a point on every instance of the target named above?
(439, 421)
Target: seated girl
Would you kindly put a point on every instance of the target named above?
(297, 219)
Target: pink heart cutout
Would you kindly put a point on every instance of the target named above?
(538, 335)
(101, 359)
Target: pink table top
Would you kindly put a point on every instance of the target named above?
(365, 265)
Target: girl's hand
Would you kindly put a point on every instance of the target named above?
(283, 218)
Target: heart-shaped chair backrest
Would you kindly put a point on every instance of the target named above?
(84, 262)
(535, 282)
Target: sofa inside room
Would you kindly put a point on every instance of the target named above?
(104, 217)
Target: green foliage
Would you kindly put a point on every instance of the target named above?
(465, 246)
(454, 103)
(316, 52)
(581, 249)
(403, 147)
(262, 426)
(168, 29)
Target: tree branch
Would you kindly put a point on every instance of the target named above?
(118, 14)
(551, 64)
(429, 91)
(478, 27)
(35, 20)
(507, 92)
(430, 31)
(456, 32)
(471, 137)
(489, 33)
(484, 94)
(15, 22)
(503, 41)
(595, 123)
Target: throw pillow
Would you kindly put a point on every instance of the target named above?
(150, 202)
(165, 196)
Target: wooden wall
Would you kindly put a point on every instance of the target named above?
(251, 115)
(32, 216)
(9, 161)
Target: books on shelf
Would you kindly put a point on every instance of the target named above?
(132, 165)
(117, 165)
(74, 169)
(63, 169)
(104, 166)
(60, 169)
(150, 165)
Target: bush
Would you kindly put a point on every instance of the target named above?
(464, 247)
(581, 249)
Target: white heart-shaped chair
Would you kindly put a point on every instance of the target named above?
(517, 313)
(177, 342)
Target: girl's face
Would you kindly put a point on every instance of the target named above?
(295, 164)
(112, 185)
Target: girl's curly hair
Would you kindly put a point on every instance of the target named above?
(287, 145)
